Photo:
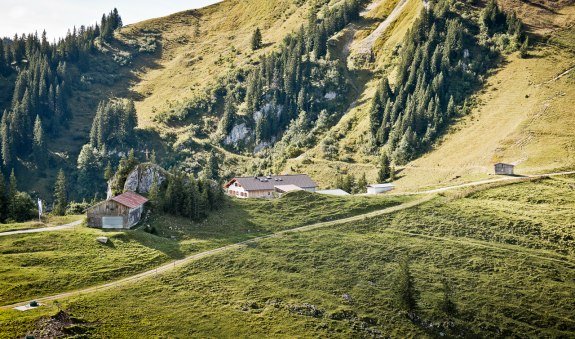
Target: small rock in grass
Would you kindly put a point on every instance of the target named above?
(102, 240)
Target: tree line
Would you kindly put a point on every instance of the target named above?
(441, 64)
(40, 79)
(187, 196)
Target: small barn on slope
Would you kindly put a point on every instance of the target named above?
(504, 169)
(122, 211)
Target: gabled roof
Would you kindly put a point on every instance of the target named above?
(130, 199)
(505, 164)
(269, 182)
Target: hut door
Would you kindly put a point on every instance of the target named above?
(112, 222)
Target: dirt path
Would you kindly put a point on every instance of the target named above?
(194, 257)
(487, 181)
(45, 229)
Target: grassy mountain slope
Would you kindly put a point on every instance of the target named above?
(505, 252)
(199, 46)
(523, 112)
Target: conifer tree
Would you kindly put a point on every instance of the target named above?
(39, 146)
(154, 193)
(108, 171)
(60, 194)
(228, 118)
(12, 193)
(384, 169)
(3, 199)
(362, 184)
(257, 39)
(6, 141)
(212, 167)
(523, 50)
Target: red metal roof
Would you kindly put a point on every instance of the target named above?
(130, 199)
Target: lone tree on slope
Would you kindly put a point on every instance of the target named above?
(257, 39)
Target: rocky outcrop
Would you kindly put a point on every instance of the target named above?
(237, 134)
(141, 178)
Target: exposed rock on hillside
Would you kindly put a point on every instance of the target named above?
(141, 178)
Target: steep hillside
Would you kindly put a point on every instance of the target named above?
(522, 114)
(198, 47)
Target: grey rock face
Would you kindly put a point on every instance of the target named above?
(141, 178)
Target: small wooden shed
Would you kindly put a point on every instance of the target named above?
(120, 212)
(504, 169)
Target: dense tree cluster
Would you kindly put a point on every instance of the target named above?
(39, 73)
(110, 23)
(441, 64)
(15, 205)
(187, 196)
(114, 124)
(38, 105)
(349, 183)
(294, 79)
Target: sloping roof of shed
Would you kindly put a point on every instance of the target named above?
(333, 192)
(130, 199)
(269, 182)
(381, 185)
(504, 164)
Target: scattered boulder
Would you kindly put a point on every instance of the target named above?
(141, 178)
(102, 240)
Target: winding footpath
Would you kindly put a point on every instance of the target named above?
(44, 229)
(426, 196)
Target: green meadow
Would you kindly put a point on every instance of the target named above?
(506, 254)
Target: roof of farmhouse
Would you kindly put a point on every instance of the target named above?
(130, 199)
(269, 182)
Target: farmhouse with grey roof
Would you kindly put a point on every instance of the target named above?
(268, 186)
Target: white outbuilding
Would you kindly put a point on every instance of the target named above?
(379, 188)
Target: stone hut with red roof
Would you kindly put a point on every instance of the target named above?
(120, 212)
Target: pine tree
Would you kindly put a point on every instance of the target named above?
(523, 50)
(3, 199)
(130, 121)
(384, 169)
(108, 172)
(60, 194)
(228, 118)
(257, 39)
(6, 141)
(362, 184)
(212, 168)
(39, 145)
(12, 193)
(154, 193)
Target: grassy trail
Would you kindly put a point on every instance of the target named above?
(45, 229)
